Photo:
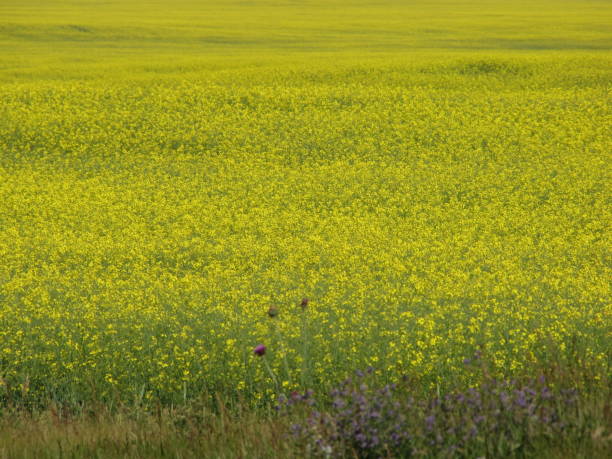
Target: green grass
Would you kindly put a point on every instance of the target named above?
(221, 430)
(132, 434)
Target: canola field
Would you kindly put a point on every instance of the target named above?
(434, 177)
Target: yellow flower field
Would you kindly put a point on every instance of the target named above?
(434, 184)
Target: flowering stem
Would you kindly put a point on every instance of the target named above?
(271, 373)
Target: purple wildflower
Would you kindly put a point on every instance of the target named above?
(259, 350)
(430, 421)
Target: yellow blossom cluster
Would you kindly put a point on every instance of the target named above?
(428, 205)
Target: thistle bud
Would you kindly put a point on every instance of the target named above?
(259, 350)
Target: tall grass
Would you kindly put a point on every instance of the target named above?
(555, 411)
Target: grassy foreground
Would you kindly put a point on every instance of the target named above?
(538, 418)
(432, 176)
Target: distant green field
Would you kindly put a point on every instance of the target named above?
(433, 176)
(81, 38)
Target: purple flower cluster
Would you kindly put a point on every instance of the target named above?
(498, 418)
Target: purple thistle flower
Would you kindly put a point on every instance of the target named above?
(259, 350)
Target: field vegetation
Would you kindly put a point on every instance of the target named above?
(410, 186)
